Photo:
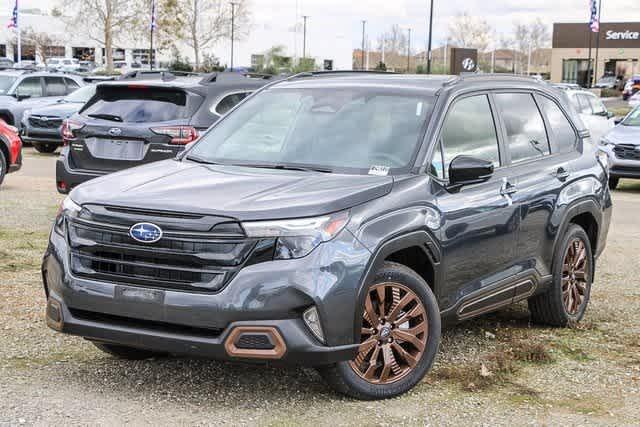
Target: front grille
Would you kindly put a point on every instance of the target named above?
(627, 152)
(45, 122)
(182, 259)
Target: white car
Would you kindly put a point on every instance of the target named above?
(592, 111)
(634, 101)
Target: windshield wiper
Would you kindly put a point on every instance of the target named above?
(285, 167)
(201, 160)
(112, 117)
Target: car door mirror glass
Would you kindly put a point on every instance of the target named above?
(466, 170)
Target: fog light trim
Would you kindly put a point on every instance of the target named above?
(312, 320)
(278, 350)
(54, 308)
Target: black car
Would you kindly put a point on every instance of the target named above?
(334, 221)
(41, 126)
(128, 123)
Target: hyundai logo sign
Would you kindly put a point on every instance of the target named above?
(468, 64)
(145, 232)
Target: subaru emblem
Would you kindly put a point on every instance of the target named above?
(115, 131)
(145, 232)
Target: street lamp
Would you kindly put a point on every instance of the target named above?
(233, 17)
(304, 36)
(362, 63)
(430, 35)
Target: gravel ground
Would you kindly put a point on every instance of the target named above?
(496, 370)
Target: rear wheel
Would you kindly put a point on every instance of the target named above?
(46, 148)
(124, 352)
(565, 303)
(613, 183)
(399, 338)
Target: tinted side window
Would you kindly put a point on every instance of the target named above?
(469, 130)
(564, 136)
(72, 85)
(229, 101)
(30, 87)
(526, 134)
(55, 86)
(596, 105)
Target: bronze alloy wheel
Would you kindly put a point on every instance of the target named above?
(575, 276)
(394, 334)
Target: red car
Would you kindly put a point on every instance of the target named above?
(10, 150)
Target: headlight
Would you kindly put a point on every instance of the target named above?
(298, 237)
(584, 187)
(606, 142)
(67, 208)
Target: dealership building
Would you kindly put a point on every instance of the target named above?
(619, 52)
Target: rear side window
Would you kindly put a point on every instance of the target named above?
(228, 102)
(72, 85)
(525, 131)
(55, 86)
(564, 136)
(469, 129)
(597, 107)
(138, 104)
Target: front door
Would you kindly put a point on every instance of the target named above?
(480, 221)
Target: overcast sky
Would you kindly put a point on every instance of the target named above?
(345, 15)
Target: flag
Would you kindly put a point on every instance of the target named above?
(153, 15)
(14, 17)
(594, 23)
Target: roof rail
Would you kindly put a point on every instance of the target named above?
(333, 72)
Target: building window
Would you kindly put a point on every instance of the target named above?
(575, 71)
(141, 56)
(28, 52)
(54, 51)
(118, 55)
(83, 53)
(257, 61)
(3, 50)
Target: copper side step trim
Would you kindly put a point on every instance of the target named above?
(275, 353)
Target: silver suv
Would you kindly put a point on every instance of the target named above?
(622, 145)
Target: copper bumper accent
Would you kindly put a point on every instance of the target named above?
(278, 350)
(54, 314)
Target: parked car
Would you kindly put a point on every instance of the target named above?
(631, 87)
(5, 63)
(10, 150)
(63, 64)
(129, 123)
(622, 146)
(25, 64)
(41, 126)
(608, 82)
(22, 90)
(592, 111)
(335, 221)
(634, 101)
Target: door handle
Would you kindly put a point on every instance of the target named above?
(561, 173)
(508, 189)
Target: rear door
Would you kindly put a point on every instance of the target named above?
(128, 125)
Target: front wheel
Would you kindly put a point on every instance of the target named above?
(565, 303)
(400, 336)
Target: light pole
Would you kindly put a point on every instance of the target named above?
(409, 51)
(430, 35)
(362, 63)
(304, 36)
(233, 19)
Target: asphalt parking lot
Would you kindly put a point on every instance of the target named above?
(498, 369)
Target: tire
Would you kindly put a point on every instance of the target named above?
(124, 352)
(397, 282)
(48, 147)
(558, 308)
(613, 183)
(3, 165)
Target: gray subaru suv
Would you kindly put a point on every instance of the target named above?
(622, 147)
(336, 220)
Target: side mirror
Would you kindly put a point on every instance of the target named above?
(610, 114)
(22, 97)
(618, 120)
(466, 170)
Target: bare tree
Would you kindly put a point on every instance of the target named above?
(528, 38)
(470, 32)
(42, 42)
(209, 21)
(101, 20)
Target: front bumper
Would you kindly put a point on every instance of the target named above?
(621, 168)
(271, 294)
(17, 165)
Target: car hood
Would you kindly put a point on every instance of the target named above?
(62, 109)
(240, 192)
(622, 134)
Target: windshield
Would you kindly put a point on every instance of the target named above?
(81, 95)
(357, 130)
(633, 119)
(5, 83)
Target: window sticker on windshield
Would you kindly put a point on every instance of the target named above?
(379, 170)
(419, 109)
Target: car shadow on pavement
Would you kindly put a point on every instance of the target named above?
(628, 186)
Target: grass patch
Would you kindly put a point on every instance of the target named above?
(620, 111)
(21, 250)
